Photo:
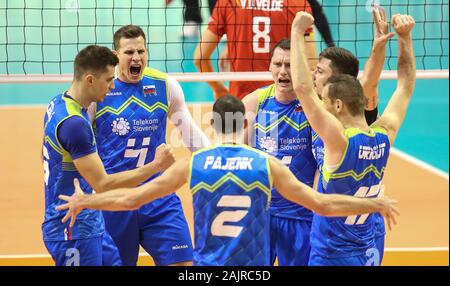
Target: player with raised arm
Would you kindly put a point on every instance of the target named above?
(231, 187)
(336, 61)
(355, 153)
(253, 28)
(279, 126)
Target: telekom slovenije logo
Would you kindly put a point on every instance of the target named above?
(120, 126)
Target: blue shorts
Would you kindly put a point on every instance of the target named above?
(317, 260)
(97, 251)
(370, 258)
(379, 244)
(159, 227)
(289, 241)
(110, 252)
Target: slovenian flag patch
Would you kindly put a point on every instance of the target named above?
(149, 90)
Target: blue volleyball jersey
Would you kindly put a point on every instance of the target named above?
(359, 174)
(318, 152)
(131, 122)
(317, 149)
(231, 189)
(380, 229)
(283, 131)
(59, 173)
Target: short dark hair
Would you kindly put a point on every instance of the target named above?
(342, 61)
(284, 44)
(228, 114)
(348, 89)
(127, 32)
(93, 59)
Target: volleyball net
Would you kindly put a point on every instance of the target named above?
(40, 38)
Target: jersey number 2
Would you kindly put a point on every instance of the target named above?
(259, 34)
(218, 227)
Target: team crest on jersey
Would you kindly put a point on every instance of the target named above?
(149, 89)
(268, 144)
(120, 126)
(298, 108)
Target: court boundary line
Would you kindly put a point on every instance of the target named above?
(22, 106)
(424, 165)
(389, 249)
(416, 249)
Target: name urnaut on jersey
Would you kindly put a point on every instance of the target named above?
(371, 153)
(233, 163)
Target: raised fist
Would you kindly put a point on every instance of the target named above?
(402, 24)
(164, 156)
(302, 22)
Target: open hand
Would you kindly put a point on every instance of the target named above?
(382, 35)
(73, 204)
(389, 210)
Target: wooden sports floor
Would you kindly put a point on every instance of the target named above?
(420, 238)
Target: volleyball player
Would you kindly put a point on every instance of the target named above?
(278, 126)
(252, 28)
(356, 154)
(129, 124)
(231, 187)
(70, 151)
(336, 61)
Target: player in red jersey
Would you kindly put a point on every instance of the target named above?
(252, 29)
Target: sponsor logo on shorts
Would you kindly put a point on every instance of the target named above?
(177, 247)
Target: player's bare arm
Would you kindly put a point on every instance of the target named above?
(374, 65)
(224, 61)
(193, 137)
(251, 106)
(202, 60)
(311, 51)
(324, 123)
(92, 170)
(328, 204)
(126, 198)
(395, 111)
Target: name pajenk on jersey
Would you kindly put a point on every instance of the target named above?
(234, 163)
(371, 153)
(263, 5)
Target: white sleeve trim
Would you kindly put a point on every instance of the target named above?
(193, 136)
